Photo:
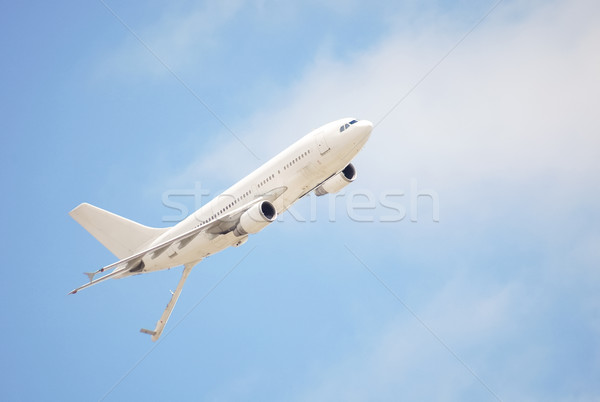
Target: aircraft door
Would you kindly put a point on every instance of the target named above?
(321, 142)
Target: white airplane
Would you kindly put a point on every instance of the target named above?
(319, 161)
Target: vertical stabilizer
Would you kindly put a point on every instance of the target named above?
(123, 237)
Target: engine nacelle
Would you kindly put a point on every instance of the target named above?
(337, 182)
(256, 218)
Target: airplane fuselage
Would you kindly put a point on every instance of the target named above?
(286, 177)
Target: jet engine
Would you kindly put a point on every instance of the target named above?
(256, 218)
(338, 181)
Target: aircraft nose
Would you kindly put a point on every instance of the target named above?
(367, 124)
(366, 127)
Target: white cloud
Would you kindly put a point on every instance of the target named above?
(509, 101)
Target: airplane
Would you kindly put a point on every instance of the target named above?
(319, 162)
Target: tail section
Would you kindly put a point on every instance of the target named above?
(121, 236)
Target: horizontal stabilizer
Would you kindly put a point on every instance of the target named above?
(121, 268)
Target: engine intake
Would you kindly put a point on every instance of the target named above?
(256, 218)
(337, 182)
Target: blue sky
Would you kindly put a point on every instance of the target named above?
(504, 131)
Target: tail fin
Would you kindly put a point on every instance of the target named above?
(121, 236)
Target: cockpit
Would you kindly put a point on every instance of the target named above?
(345, 126)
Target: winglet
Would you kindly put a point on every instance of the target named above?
(90, 275)
(147, 331)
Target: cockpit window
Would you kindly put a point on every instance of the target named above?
(345, 126)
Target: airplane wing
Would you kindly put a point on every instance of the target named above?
(133, 263)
